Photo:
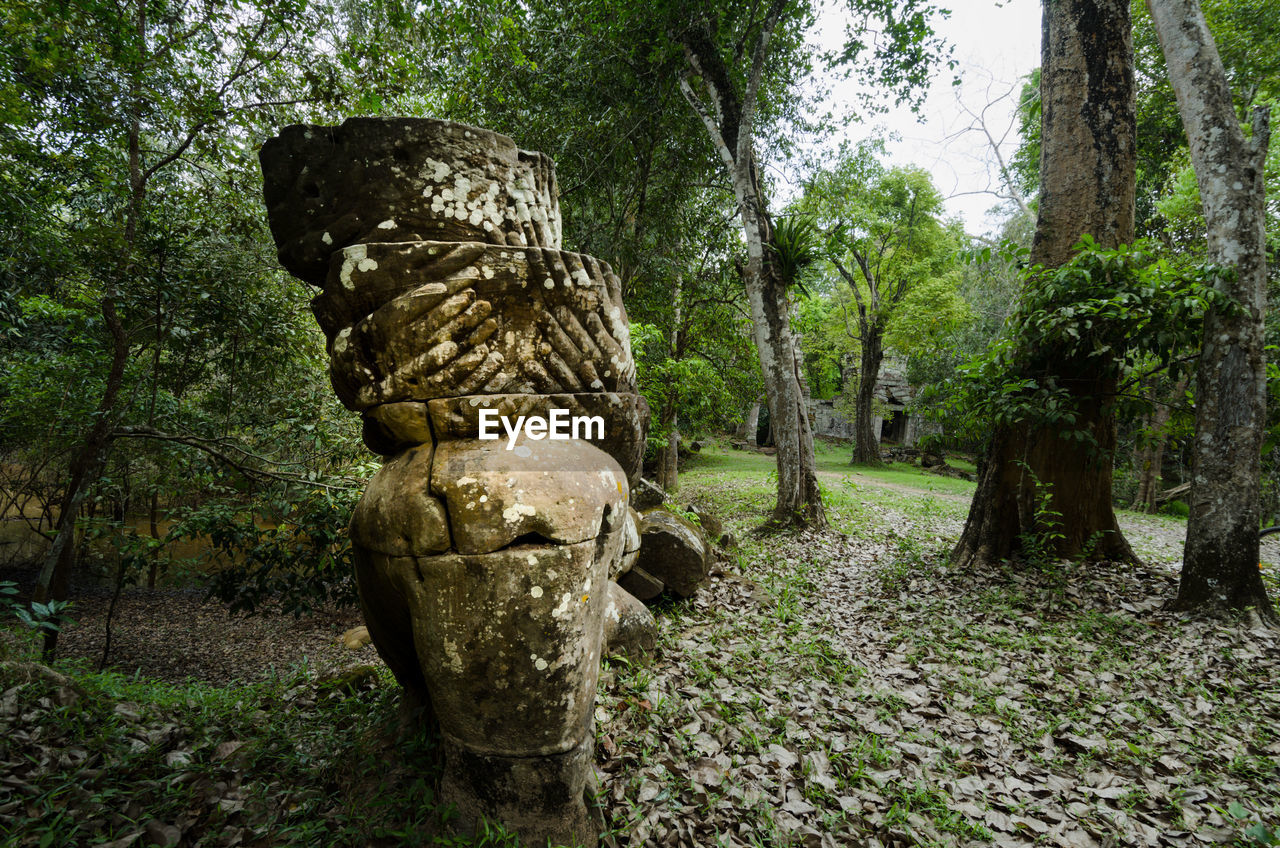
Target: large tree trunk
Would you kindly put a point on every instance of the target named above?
(1025, 464)
(1220, 560)
(1087, 175)
(799, 498)
(866, 447)
(729, 119)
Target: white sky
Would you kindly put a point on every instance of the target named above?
(996, 44)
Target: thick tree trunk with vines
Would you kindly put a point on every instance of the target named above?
(1036, 484)
(866, 447)
(1220, 560)
(1087, 176)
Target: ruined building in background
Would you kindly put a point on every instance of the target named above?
(897, 425)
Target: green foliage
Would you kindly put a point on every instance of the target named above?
(1178, 205)
(131, 186)
(1115, 305)
(701, 392)
(1252, 832)
(1039, 541)
(890, 273)
(48, 617)
(292, 552)
(1104, 311)
(1246, 37)
(928, 317)
(1024, 165)
(798, 244)
(827, 339)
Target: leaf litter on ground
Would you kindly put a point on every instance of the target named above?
(857, 690)
(842, 688)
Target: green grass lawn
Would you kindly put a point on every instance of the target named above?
(718, 458)
(860, 500)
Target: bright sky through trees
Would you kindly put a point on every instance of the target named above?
(996, 44)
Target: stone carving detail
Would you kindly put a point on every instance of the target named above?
(511, 320)
(485, 567)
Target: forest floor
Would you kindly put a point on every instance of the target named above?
(851, 689)
(845, 688)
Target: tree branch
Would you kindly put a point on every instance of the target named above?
(217, 451)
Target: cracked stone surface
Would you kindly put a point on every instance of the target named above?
(483, 565)
(375, 180)
(630, 630)
(672, 551)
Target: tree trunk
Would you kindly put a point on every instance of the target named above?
(1220, 560)
(1145, 464)
(153, 522)
(1023, 465)
(1150, 461)
(799, 499)
(1155, 474)
(1142, 459)
(806, 429)
(729, 119)
(750, 424)
(669, 461)
(1087, 175)
(669, 458)
(866, 447)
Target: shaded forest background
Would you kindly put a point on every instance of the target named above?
(162, 378)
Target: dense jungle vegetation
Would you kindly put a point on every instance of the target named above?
(168, 429)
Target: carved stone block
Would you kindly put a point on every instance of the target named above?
(509, 321)
(401, 179)
(483, 564)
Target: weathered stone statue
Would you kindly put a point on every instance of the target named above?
(484, 564)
